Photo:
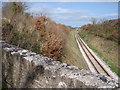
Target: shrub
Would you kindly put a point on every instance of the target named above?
(53, 38)
(6, 29)
(41, 35)
(107, 29)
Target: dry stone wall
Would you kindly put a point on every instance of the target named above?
(25, 69)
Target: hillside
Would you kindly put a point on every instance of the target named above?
(72, 54)
(103, 40)
(107, 29)
(39, 34)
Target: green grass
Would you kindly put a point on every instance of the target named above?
(112, 66)
(72, 54)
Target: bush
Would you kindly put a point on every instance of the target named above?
(107, 29)
(11, 9)
(6, 29)
(41, 35)
(52, 43)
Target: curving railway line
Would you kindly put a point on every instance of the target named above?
(95, 64)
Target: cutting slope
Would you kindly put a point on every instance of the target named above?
(102, 42)
(72, 55)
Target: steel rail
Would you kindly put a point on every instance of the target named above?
(81, 43)
(88, 56)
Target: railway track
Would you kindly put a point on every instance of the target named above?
(93, 62)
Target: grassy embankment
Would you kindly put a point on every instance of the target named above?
(41, 35)
(72, 54)
(106, 49)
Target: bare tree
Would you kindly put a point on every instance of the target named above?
(94, 20)
(102, 20)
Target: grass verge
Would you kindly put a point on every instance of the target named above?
(113, 67)
(72, 54)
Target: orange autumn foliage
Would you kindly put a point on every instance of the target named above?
(54, 36)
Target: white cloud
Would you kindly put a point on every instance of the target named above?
(60, 11)
(68, 16)
(107, 16)
(111, 15)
